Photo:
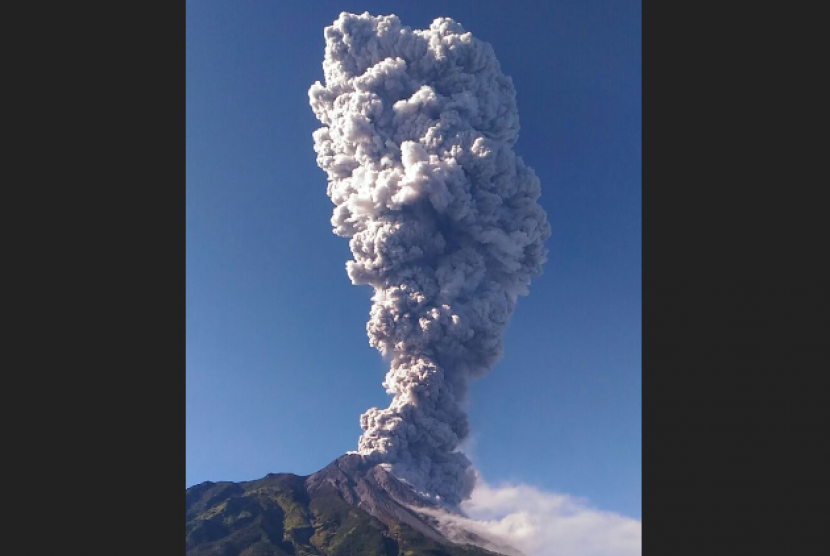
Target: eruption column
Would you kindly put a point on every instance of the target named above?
(443, 220)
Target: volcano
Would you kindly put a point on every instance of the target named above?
(348, 508)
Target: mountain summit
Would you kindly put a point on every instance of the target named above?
(348, 508)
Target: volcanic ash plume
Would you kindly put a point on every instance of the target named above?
(418, 136)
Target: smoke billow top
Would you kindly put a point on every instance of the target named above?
(443, 220)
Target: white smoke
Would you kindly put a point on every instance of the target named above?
(443, 220)
(539, 523)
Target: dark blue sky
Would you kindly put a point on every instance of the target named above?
(278, 364)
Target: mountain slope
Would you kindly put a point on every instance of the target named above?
(345, 509)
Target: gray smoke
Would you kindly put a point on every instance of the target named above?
(417, 141)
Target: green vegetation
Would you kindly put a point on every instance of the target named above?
(275, 516)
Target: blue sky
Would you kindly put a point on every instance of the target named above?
(278, 364)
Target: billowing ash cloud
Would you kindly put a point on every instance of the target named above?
(417, 141)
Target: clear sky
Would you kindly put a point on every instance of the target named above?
(279, 368)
